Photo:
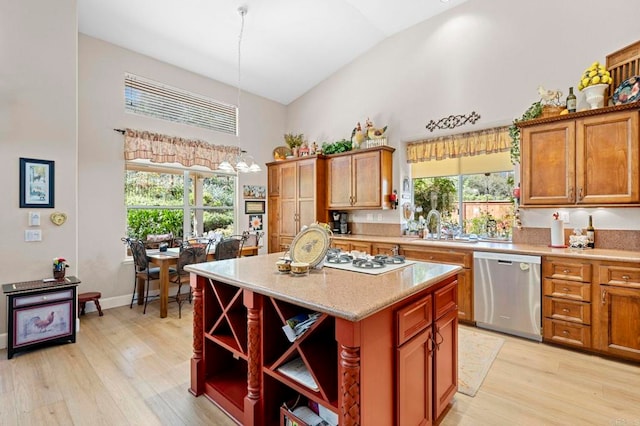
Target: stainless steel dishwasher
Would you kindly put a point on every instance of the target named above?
(507, 293)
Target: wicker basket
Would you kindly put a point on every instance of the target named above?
(550, 111)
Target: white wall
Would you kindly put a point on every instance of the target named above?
(102, 214)
(38, 53)
(487, 56)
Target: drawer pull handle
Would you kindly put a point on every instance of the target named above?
(565, 271)
(626, 277)
(565, 310)
(604, 297)
(565, 332)
(565, 289)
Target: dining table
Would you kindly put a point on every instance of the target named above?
(164, 260)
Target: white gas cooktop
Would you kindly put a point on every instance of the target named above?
(372, 271)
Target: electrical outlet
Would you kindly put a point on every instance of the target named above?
(379, 217)
(564, 216)
(32, 235)
(370, 217)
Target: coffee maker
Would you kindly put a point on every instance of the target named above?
(339, 223)
(335, 224)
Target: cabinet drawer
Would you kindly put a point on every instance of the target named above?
(439, 256)
(567, 289)
(446, 299)
(361, 246)
(567, 270)
(42, 298)
(567, 333)
(413, 318)
(620, 276)
(567, 310)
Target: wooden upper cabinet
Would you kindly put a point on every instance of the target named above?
(274, 181)
(548, 164)
(589, 158)
(360, 179)
(607, 159)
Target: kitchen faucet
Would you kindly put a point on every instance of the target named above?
(436, 213)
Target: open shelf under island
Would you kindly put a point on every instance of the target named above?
(381, 349)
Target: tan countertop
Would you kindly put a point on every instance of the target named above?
(593, 254)
(344, 294)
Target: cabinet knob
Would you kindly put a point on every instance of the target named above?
(565, 310)
(580, 197)
(565, 332)
(626, 277)
(571, 193)
(565, 289)
(565, 271)
(44, 297)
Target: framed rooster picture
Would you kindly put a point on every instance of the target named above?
(42, 323)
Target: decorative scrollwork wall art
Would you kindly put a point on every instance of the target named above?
(453, 121)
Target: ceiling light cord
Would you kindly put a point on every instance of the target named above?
(242, 10)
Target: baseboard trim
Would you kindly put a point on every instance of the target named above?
(105, 303)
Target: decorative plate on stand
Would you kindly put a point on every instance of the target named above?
(627, 92)
(310, 245)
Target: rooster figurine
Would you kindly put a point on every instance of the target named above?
(357, 137)
(374, 133)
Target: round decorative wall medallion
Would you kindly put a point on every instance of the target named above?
(58, 218)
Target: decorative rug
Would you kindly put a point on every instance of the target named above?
(476, 353)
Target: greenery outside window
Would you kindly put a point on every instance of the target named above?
(185, 202)
(486, 200)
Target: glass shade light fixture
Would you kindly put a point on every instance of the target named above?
(243, 162)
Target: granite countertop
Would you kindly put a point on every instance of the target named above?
(500, 247)
(344, 294)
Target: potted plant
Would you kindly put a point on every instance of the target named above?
(294, 141)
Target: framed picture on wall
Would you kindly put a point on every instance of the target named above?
(36, 183)
(254, 191)
(254, 207)
(255, 222)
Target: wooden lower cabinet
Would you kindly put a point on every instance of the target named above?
(395, 367)
(458, 257)
(617, 331)
(566, 301)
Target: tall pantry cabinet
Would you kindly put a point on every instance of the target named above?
(296, 191)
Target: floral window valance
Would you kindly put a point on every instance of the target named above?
(172, 149)
(487, 141)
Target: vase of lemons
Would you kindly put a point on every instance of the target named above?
(594, 83)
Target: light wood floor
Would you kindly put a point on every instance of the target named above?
(132, 369)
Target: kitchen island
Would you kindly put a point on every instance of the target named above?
(383, 349)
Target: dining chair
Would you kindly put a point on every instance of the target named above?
(142, 270)
(189, 254)
(229, 248)
(252, 239)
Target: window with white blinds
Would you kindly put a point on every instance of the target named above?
(153, 99)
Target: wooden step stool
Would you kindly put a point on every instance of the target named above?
(92, 296)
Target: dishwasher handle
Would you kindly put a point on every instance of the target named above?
(505, 262)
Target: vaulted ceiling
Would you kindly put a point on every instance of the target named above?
(288, 46)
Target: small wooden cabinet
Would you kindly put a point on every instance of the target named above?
(566, 304)
(296, 198)
(586, 158)
(360, 179)
(617, 331)
(40, 313)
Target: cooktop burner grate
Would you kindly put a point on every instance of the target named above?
(368, 263)
(389, 260)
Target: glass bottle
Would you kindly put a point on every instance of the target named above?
(571, 101)
(591, 234)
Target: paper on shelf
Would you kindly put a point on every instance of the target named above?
(297, 370)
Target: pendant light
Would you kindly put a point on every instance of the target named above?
(243, 162)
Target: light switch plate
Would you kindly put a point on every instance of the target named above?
(564, 216)
(34, 219)
(32, 235)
